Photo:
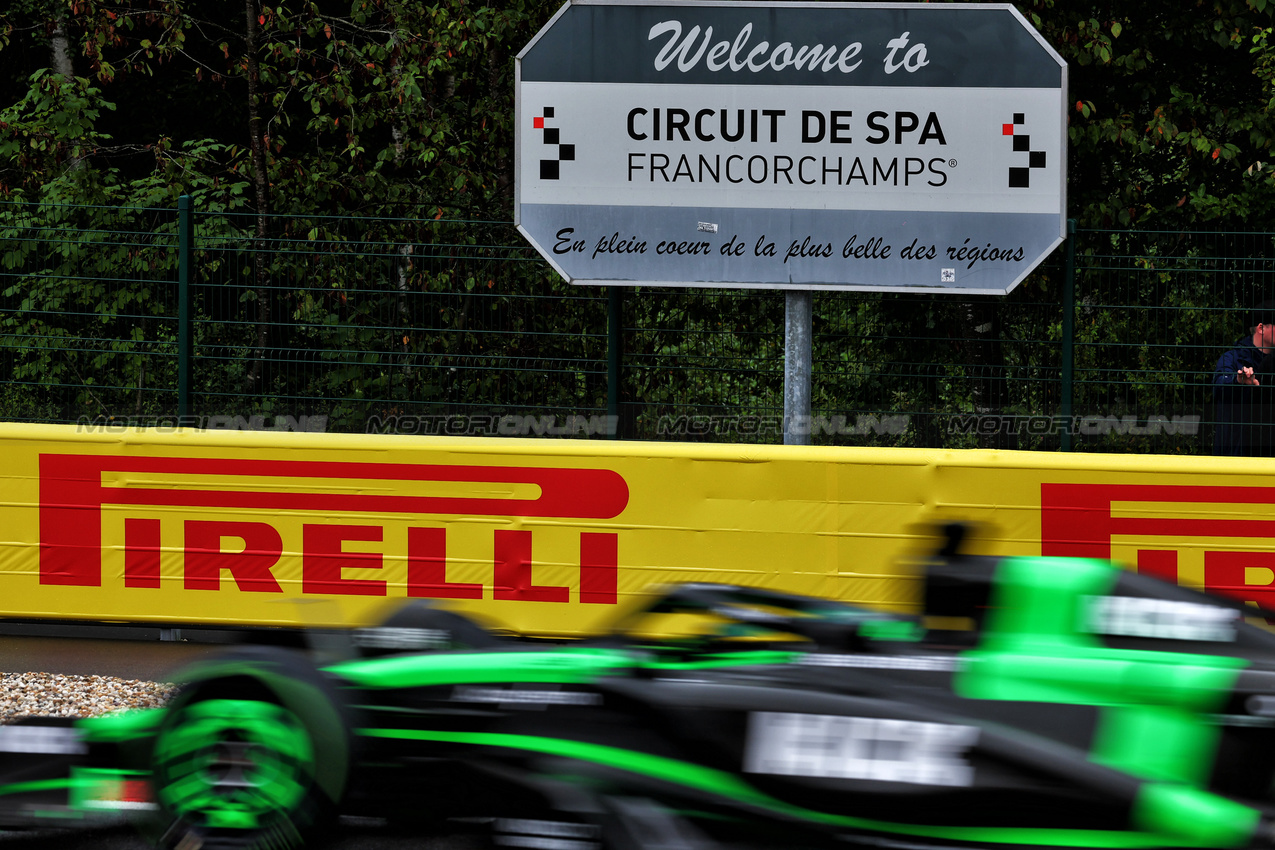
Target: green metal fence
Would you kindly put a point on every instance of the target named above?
(430, 326)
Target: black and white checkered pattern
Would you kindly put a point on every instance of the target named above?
(1019, 176)
(550, 169)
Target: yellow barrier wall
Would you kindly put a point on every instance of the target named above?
(548, 536)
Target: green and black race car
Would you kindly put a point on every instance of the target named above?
(1064, 703)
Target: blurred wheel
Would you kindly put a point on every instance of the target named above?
(254, 753)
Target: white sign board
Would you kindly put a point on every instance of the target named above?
(791, 145)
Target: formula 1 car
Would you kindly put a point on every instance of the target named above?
(1041, 702)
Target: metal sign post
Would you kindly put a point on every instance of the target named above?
(798, 329)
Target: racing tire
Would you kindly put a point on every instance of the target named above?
(254, 754)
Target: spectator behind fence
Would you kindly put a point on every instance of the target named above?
(1259, 437)
(1236, 378)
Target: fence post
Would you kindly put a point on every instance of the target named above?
(615, 354)
(185, 270)
(1068, 337)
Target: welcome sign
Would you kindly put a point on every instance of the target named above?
(812, 146)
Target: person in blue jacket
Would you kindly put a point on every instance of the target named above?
(1237, 379)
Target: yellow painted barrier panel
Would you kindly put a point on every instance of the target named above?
(549, 536)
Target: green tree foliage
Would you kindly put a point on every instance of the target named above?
(279, 117)
(1169, 119)
(361, 106)
(371, 105)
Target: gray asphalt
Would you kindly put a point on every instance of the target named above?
(127, 659)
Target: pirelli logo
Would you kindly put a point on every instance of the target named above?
(1219, 538)
(337, 506)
